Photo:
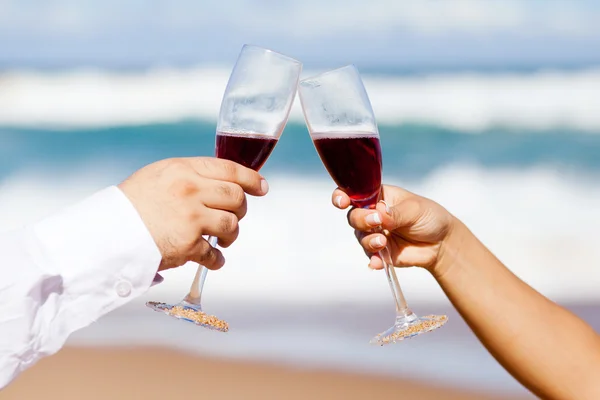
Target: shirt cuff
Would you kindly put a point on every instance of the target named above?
(102, 250)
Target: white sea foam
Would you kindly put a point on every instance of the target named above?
(295, 247)
(469, 102)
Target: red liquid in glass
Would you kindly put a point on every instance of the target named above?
(250, 151)
(354, 163)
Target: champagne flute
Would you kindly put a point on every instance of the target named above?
(254, 111)
(342, 125)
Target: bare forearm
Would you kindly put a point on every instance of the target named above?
(544, 346)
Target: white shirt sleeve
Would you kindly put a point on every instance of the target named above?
(66, 271)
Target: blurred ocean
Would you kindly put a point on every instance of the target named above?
(516, 155)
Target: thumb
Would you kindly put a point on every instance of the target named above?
(403, 214)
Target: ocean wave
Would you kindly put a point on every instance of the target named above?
(295, 247)
(467, 102)
(410, 151)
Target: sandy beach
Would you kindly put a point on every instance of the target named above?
(156, 373)
(134, 353)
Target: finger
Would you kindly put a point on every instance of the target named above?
(225, 170)
(371, 247)
(373, 243)
(363, 219)
(376, 262)
(225, 196)
(223, 225)
(340, 199)
(360, 236)
(205, 254)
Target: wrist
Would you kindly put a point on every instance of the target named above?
(450, 248)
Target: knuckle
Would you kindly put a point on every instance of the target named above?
(194, 216)
(242, 209)
(408, 211)
(230, 169)
(205, 163)
(238, 197)
(206, 253)
(211, 254)
(190, 244)
(228, 223)
(224, 190)
(235, 234)
(365, 243)
(176, 165)
(228, 241)
(411, 203)
(184, 188)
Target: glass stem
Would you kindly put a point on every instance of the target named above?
(402, 310)
(195, 294)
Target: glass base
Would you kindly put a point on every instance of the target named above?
(409, 326)
(189, 312)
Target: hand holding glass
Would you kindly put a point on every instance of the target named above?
(254, 112)
(342, 125)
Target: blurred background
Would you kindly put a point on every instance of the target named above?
(490, 107)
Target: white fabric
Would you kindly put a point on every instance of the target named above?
(66, 271)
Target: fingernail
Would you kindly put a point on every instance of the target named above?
(387, 208)
(373, 219)
(376, 242)
(338, 201)
(264, 186)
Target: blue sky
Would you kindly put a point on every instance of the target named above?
(371, 33)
